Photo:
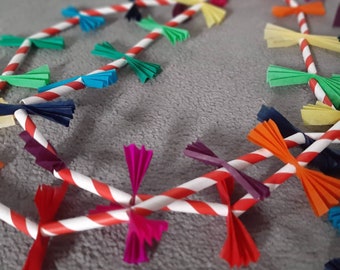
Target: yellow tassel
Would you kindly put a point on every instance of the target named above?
(319, 114)
(212, 14)
(277, 37)
(6, 120)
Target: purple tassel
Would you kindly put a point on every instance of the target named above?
(138, 161)
(141, 232)
(43, 157)
(201, 152)
(178, 9)
(336, 22)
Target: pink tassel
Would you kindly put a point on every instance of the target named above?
(142, 231)
(138, 161)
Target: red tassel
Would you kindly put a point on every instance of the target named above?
(239, 249)
(47, 200)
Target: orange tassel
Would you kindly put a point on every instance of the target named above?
(315, 8)
(323, 192)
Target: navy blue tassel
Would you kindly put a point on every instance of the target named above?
(328, 161)
(133, 13)
(59, 111)
(333, 264)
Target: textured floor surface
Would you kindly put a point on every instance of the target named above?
(211, 87)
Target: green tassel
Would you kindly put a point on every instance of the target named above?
(281, 76)
(33, 79)
(144, 70)
(55, 43)
(171, 33)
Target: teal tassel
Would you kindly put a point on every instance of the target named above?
(33, 79)
(143, 70)
(101, 79)
(55, 43)
(171, 33)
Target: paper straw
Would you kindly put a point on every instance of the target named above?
(278, 178)
(308, 57)
(28, 125)
(157, 202)
(24, 48)
(18, 221)
(138, 48)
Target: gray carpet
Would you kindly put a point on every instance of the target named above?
(212, 87)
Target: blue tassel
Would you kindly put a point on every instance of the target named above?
(328, 161)
(56, 84)
(59, 111)
(333, 264)
(87, 23)
(100, 80)
(334, 217)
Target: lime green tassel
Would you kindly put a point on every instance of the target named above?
(55, 43)
(33, 79)
(144, 70)
(171, 33)
(281, 76)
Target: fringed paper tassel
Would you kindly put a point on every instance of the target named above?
(97, 80)
(133, 13)
(319, 114)
(101, 79)
(334, 217)
(143, 70)
(43, 157)
(201, 152)
(336, 21)
(281, 76)
(322, 191)
(87, 23)
(142, 232)
(173, 34)
(239, 248)
(213, 15)
(328, 161)
(33, 79)
(219, 3)
(277, 37)
(138, 161)
(178, 9)
(314, 8)
(47, 200)
(59, 111)
(55, 43)
(333, 264)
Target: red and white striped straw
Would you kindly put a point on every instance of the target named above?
(278, 178)
(157, 202)
(308, 57)
(122, 198)
(138, 48)
(28, 125)
(18, 221)
(24, 48)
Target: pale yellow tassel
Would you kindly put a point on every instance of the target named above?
(213, 15)
(277, 37)
(319, 114)
(6, 120)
